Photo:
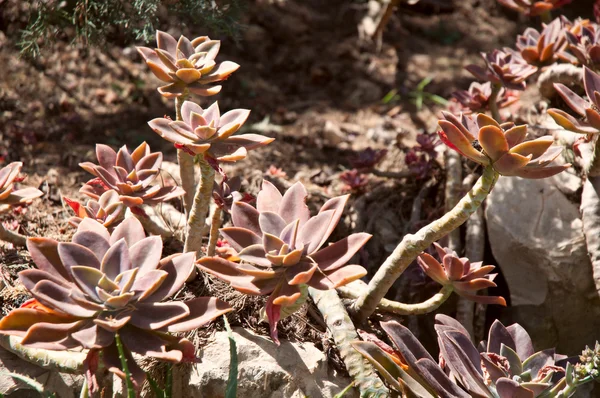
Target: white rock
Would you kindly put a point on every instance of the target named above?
(292, 370)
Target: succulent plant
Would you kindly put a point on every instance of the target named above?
(505, 366)
(108, 210)
(589, 110)
(9, 194)
(354, 181)
(186, 64)
(100, 284)
(533, 8)
(477, 97)
(506, 68)
(367, 158)
(583, 44)
(279, 245)
(227, 192)
(128, 173)
(502, 146)
(465, 277)
(588, 366)
(542, 48)
(206, 131)
(506, 363)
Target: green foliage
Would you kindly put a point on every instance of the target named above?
(95, 22)
(125, 368)
(162, 392)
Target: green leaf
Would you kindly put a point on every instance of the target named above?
(344, 391)
(128, 380)
(231, 390)
(158, 392)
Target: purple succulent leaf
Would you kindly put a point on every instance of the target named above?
(290, 233)
(93, 235)
(228, 271)
(315, 231)
(430, 371)
(150, 162)
(239, 238)
(269, 198)
(145, 254)
(106, 156)
(446, 320)
(337, 278)
(300, 273)
(271, 223)
(245, 216)
(508, 388)
(51, 336)
(575, 102)
(538, 360)
(494, 371)
(19, 320)
(59, 298)
(201, 311)
(73, 254)
(255, 254)
(148, 283)
(44, 253)
(178, 268)
(87, 278)
(116, 259)
(336, 204)
(524, 345)
(497, 336)
(591, 82)
(339, 253)
(130, 229)
(154, 316)
(93, 337)
(30, 277)
(408, 345)
(293, 204)
(22, 196)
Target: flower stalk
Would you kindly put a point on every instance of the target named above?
(215, 224)
(199, 211)
(412, 245)
(343, 331)
(186, 164)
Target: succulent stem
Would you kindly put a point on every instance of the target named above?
(152, 223)
(215, 224)
(197, 217)
(343, 331)
(412, 245)
(60, 361)
(496, 87)
(590, 213)
(12, 237)
(186, 164)
(396, 307)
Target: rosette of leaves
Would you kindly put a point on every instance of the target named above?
(187, 65)
(466, 278)
(9, 194)
(130, 174)
(477, 97)
(485, 141)
(583, 45)
(353, 181)
(506, 68)
(542, 48)
(533, 8)
(367, 158)
(280, 247)
(207, 131)
(100, 284)
(227, 192)
(504, 366)
(108, 210)
(588, 110)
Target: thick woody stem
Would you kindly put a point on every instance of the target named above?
(12, 237)
(494, 102)
(590, 213)
(398, 308)
(152, 222)
(412, 245)
(197, 218)
(186, 164)
(215, 224)
(344, 333)
(60, 361)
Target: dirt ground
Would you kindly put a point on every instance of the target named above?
(311, 83)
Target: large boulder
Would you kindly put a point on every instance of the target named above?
(292, 370)
(536, 238)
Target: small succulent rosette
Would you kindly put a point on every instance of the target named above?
(477, 97)
(130, 174)
(9, 194)
(542, 48)
(187, 65)
(583, 44)
(506, 68)
(281, 249)
(206, 131)
(109, 210)
(485, 141)
(100, 284)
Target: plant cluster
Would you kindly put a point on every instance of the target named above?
(110, 292)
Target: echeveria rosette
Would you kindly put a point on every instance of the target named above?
(207, 131)
(130, 174)
(9, 194)
(506, 68)
(186, 64)
(533, 8)
(506, 363)
(502, 146)
(100, 284)
(583, 44)
(226, 193)
(477, 97)
(109, 210)
(588, 110)
(280, 247)
(542, 48)
(466, 278)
